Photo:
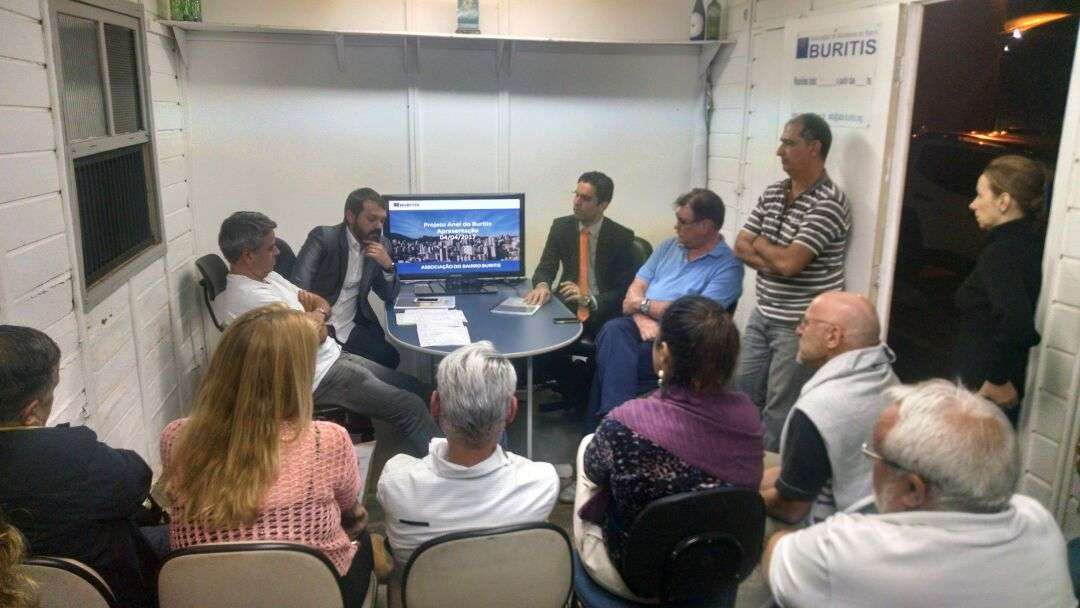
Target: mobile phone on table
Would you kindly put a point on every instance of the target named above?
(564, 320)
(426, 299)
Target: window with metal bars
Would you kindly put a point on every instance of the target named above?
(101, 79)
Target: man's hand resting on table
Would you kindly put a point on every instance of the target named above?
(539, 295)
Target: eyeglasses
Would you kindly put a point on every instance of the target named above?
(873, 455)
(680, 223)
(805, 322)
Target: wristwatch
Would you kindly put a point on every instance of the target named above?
(644, 308)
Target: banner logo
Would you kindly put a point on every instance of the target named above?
(823, 47)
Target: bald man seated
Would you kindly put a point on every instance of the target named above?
(822, 469)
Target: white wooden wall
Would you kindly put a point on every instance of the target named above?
(277, 127)
(131, 363)
(1053, 419)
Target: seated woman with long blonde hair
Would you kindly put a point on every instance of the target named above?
(250, 464)
(16, 589)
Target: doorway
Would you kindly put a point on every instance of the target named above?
(991, 80)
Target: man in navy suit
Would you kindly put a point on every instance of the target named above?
(609, 263)
(343, 264)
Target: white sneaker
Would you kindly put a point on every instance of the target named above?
(567, 495)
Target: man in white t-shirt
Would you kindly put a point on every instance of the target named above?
(950, 530)
(247, 241)
(467, 480)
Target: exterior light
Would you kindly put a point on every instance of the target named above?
(1027, 22)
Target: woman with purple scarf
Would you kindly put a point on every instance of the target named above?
(691, 434)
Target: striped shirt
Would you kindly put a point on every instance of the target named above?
(819, 219)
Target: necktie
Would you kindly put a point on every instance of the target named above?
(583, 273)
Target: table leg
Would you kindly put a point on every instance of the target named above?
(528, 407)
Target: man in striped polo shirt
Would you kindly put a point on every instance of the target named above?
(795, 238)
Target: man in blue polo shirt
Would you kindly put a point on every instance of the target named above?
(696, 261)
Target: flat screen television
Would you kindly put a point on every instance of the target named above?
(463, 237)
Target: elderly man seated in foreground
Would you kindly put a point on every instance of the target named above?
(950, 532)
(466, 480)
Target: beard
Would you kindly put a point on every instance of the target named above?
(371, 236)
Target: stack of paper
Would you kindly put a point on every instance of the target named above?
(437, 327)
(414, 316)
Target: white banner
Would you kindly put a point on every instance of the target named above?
(834, 72)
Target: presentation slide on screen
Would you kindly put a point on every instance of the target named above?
(449, 237)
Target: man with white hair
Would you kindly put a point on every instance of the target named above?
(822, 469)
(467, 480)
(950, 532)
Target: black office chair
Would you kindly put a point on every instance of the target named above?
(692, 548)
(286, 259)
(642, 250)
(214, 272)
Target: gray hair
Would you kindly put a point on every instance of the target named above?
(962, 446)
(475, 386)
(243, 230)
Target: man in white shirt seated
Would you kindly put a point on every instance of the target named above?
(950, 532)
(467, 480)
(248, 242)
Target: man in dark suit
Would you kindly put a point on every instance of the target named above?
(610, 264)
(343, 264)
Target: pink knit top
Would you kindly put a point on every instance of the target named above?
(318, 478)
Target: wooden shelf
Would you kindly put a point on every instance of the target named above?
(199, 26)
(503, 46)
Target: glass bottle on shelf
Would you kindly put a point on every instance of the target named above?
(697, 21)
(715, 21)
(185, 10)
(468, 17)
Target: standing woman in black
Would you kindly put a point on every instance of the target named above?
(997, 300)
